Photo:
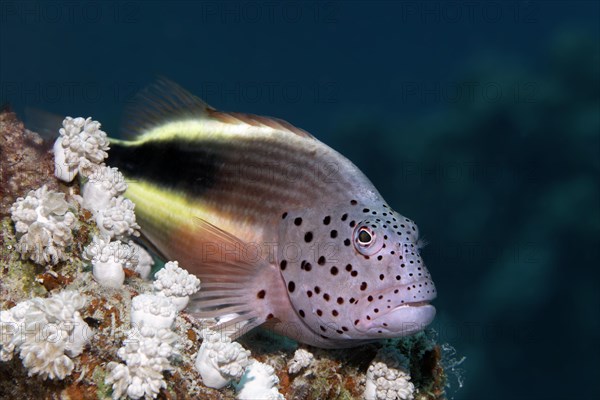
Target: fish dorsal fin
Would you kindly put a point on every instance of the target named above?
(158, 103)
(258, 120)
(166, 101)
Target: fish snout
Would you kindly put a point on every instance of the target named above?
(399, 311)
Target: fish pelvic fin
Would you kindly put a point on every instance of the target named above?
(238, 285)
(166, 102)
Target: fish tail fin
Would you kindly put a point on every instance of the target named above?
(45, 123)
(238, 284)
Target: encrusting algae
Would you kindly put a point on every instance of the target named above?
(116, 358)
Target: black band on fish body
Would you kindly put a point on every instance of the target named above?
(181, 165)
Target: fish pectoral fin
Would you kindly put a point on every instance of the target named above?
(234, 280)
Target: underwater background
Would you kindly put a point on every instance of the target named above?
(479, 120)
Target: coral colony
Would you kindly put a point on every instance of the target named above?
(43, 222)
(50, 358)
(147, 349)
(387, 377)
(220, 361)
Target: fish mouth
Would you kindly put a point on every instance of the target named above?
(404, 320)
(415, 304)
(396, 312)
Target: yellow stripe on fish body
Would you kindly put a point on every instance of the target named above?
(165, 205)
(164, 214)
(202, 129)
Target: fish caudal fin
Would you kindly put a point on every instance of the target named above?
(237, 282)
(45, 123)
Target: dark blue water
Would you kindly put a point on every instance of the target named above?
(479, 120)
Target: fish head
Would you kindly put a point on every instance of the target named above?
(353, 271)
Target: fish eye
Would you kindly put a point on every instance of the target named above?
(366, 241)
(364, 237)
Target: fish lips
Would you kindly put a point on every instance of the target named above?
(403, 319)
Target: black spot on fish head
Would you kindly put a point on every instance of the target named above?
(314, 256)
(396, 287)
(387, 272)
(354, 262)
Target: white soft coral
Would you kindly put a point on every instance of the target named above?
(118, 219)
(258, 382)
(108, 260)
(102, 185)
(80, 148)
(387, 377)
(152, 311)
(11, 329)
(146, 354)
(47, 332)
(145, 260)
(302, 359)
(43, 223)
(147, 350)
(176, 284)
(102, 194)
(219, 360)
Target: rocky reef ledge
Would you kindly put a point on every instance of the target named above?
(67, 332)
